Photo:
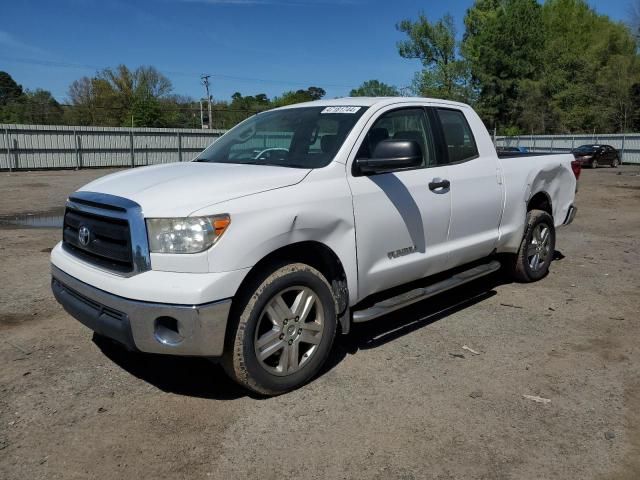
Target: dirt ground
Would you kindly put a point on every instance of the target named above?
(400, 398)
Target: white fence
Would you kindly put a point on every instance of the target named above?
(27, 147)
(627, 144)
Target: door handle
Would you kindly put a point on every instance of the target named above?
(438, 183)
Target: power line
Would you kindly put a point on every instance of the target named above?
(160, 106)
(50, 63)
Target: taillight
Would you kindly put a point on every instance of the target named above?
(576, 166)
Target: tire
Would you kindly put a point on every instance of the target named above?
(594, 163)
(272, 347)
(526, 268)
(615, 162)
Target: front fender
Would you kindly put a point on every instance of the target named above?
(318, 209)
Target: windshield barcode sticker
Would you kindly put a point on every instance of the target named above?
(340, 110)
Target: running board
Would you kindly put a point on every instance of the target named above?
(404, 299)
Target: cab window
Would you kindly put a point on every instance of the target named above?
(403, 124)
(458, 137)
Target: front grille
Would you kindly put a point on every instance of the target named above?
(109, 239)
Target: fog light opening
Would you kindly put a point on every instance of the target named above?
(167, 331)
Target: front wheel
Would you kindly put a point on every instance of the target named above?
(594, 164)
(283, 332)
(536, 249)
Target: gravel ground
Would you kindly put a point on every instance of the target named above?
(400, 398)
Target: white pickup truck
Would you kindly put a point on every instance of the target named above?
(298, 222)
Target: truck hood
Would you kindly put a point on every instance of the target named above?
(178, 189)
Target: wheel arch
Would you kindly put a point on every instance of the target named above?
(315, 254)
(540, 201)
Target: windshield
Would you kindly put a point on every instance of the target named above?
(586, 149)
(306, 137)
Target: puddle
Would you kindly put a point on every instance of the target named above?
(50, 219)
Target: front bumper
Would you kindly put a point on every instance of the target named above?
(197, 330)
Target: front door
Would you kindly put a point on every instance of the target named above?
(401, 223)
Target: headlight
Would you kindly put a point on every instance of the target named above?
(185, 235)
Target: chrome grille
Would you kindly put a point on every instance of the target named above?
(106, 231)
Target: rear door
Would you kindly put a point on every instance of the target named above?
(401, 224)
(476, 189)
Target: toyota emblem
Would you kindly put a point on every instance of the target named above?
(84, 236)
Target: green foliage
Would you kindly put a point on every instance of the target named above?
(10, 91)
(444, 74)
(122, 97)
(503, 44)
(146, 111)
(634, 103)
(374, 88)
(30, 107)
(298, 96)
(41, 108)
(590, 65)
(556, 67)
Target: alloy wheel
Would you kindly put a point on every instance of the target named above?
(289, 330)
(538, 250)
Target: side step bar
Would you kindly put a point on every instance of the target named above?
(404, 299)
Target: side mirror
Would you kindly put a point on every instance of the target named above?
(391, 155)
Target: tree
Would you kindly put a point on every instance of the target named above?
(315, 93)
(299, 96)
(634, 118)
(503, 45)
(555, 67)
(634, 21)
(25, 106)
(444, 74)
(249, 103)
(10, 91)
(117, 96)
(95, 102)
(589, 69)
(41, 108)
(122, 96)
(375, 88)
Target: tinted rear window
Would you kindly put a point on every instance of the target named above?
(458, 136)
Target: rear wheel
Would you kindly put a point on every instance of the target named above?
(594, 163)
(284, 330)
(536, 249)
(615, 162)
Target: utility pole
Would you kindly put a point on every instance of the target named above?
(205, 82)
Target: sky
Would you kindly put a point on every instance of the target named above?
(250, 46)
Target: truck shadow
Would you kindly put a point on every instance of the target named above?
(198, 377)
(365, 336)
(189, 376)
